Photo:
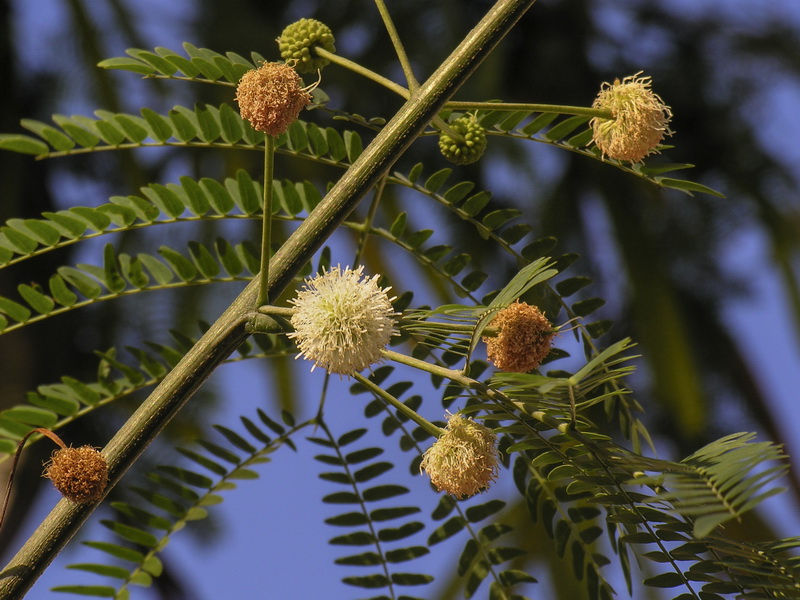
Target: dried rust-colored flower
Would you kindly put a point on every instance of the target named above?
(463, 461)
(343, 320)
(641, 119)
(271, 97)
(524, 338)
(80, 474)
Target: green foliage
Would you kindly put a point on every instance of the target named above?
(376, 525)
(57, 404)
(717, 482)
(543, 128)
(199, 64)
(596, 500)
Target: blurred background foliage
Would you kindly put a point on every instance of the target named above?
(729, 70)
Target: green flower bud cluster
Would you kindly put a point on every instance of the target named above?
(470, 148)
(298, 40)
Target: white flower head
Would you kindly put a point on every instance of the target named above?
(343, 320)
(640, 123)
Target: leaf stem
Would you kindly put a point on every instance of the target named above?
(363, 71)
(266, 220)
(368, 222)
(402, 408)
(583, 111)
(399, 49)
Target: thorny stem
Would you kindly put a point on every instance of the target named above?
(229, 330)
(408, 412)
(266, 219)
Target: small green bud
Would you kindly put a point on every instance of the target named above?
(297, 41)
(470, 148)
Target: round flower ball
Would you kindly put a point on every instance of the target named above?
(641, 119)
(470, 148)
(463, 461)
(343, 320)
(271, 97)
(524, 338)
(296, 43)
(80, 474)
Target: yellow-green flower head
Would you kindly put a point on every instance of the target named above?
(343, 320)
(470, 148)
(298, 40)
(524, 339)
(463, 461)
(271, 97)
(80, 474)
(641, 119)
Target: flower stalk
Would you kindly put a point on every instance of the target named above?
(561, 109)
(266, 220)
(402, 408)
(363, 71)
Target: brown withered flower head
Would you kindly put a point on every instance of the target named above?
(80, 474)
(463, 461)
(271, 97)
(641, 119)
(524, 338)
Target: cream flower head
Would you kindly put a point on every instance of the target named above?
(343, 320)
(463, 461)
(640, 120)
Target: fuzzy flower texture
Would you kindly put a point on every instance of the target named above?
(80, 474)
(463, 461)
(343, 320)
(271, 97)
(524, 338)
(640, 120)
